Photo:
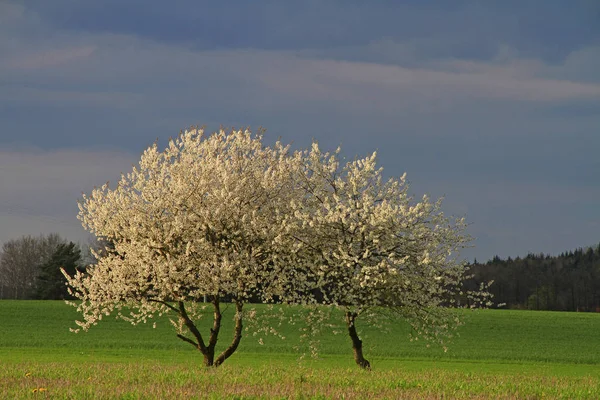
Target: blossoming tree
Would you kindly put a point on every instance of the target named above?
(197, 220)
(225, 217)
(371, 249)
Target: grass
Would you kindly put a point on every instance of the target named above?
(147, 380)
(499, 354)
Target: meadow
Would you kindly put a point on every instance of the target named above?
(498, 354)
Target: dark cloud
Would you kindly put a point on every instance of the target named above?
(40, 188)
(466, 28)
(494, 105)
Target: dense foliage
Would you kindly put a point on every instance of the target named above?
(567, 282)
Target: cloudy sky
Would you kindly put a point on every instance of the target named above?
(493, 104)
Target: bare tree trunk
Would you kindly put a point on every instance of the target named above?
(356, 342)
(209, 356)
(208, 350)
(237, 335)
(199, 343)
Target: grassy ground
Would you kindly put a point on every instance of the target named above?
(499, 354)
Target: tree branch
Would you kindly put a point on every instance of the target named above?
(190, 341)
(237, 335)
(165, 304)
(214, 331)
(192, 328)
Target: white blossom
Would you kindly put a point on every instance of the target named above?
(201, 218)
(226, 217)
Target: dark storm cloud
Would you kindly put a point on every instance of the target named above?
(495, 105)
(551, 28)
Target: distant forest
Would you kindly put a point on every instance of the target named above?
(568, 282)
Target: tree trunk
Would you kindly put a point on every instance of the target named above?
(209, 357)
(237, 335)
(208, 350)
(356, 342)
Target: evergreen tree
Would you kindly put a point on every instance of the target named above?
(51, 281)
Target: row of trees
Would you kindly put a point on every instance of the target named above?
(568, 282)
(30, 267)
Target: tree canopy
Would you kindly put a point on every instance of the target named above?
(368, 247)
(227, 218)
(199, 219)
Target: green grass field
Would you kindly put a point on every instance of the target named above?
(499, 354)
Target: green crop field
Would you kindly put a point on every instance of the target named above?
(498, 354)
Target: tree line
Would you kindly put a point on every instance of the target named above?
(567, 282)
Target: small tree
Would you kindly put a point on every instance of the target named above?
(198, 220)
(51, 282)
(370, 249)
